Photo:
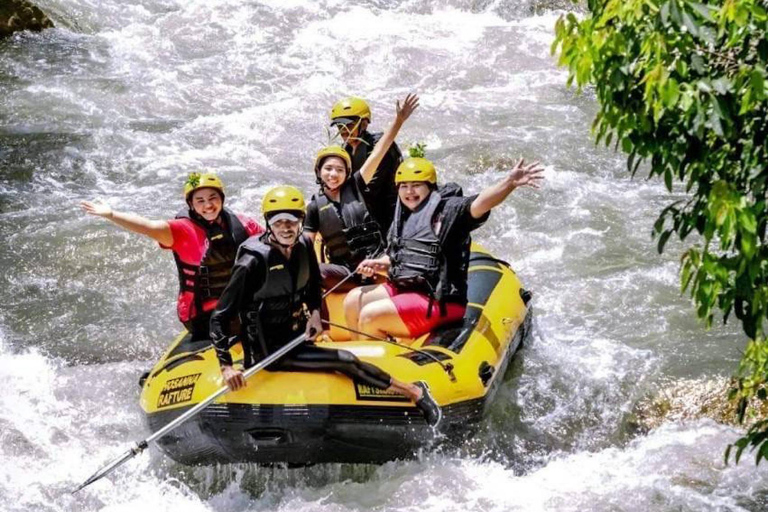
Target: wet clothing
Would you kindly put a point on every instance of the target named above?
(269, 294)
(204, 255)
(349, 232)
(420, 313)
(311, 358)
(429, 251)
(382, 191)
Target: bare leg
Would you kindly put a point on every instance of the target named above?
(381, 319)
(358, 298)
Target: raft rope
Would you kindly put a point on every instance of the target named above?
(447, 368)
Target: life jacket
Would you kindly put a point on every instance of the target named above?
(418, 254)
(208, 279)
(277, 306)
(353, 235)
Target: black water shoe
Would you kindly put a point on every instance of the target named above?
(432, 412)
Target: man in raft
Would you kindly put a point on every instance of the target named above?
(341, 210)
(427, 256)
(276, 276)
(351, 117)
(203, 237)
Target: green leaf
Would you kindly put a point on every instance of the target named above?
(664, 13)
(663, 241)
(714, 123)
(748, 245)
(757, 84)
(722, 85)
(703, 10)
(690, 24)
(674, 12)
(747, 221)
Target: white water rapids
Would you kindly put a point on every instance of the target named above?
(128, 96)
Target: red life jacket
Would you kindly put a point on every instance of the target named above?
(201, 283)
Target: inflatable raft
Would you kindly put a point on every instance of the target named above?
(305, 418)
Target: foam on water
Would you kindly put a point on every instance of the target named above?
(148, 90)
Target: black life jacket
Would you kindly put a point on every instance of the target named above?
(354, 235)
(277, 307)
(418, 254)
(208, 279)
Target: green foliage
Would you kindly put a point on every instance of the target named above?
(682, 88)
(193, 180)
(417, 150)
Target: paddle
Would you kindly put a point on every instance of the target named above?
(142, 445)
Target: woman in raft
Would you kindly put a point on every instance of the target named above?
(427, 256)
(340, 211)
(204, 238)
(275, 282)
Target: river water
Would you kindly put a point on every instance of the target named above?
(134, 94)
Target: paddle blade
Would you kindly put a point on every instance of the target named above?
(112, 466)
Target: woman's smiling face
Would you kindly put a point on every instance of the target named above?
(207, 203)
(412, 193)
(333, 172)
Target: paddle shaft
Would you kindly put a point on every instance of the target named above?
(225, 389)
(142, 445)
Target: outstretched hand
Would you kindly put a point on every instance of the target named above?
(523, 175)
(98, 208)
(410, 104)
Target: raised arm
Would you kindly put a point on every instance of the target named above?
(158, 230)
(368, 169)
(521, 175)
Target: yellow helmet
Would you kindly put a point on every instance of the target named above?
(350, 110)
(196, 181)
(327, 151)
(284, 198)
(416, 169)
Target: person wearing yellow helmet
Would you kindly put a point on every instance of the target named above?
(340, 211)
(203, 237)
(427, 256)
(351, 117)
(275, 279)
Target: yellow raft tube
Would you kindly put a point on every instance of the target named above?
(304, 418)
